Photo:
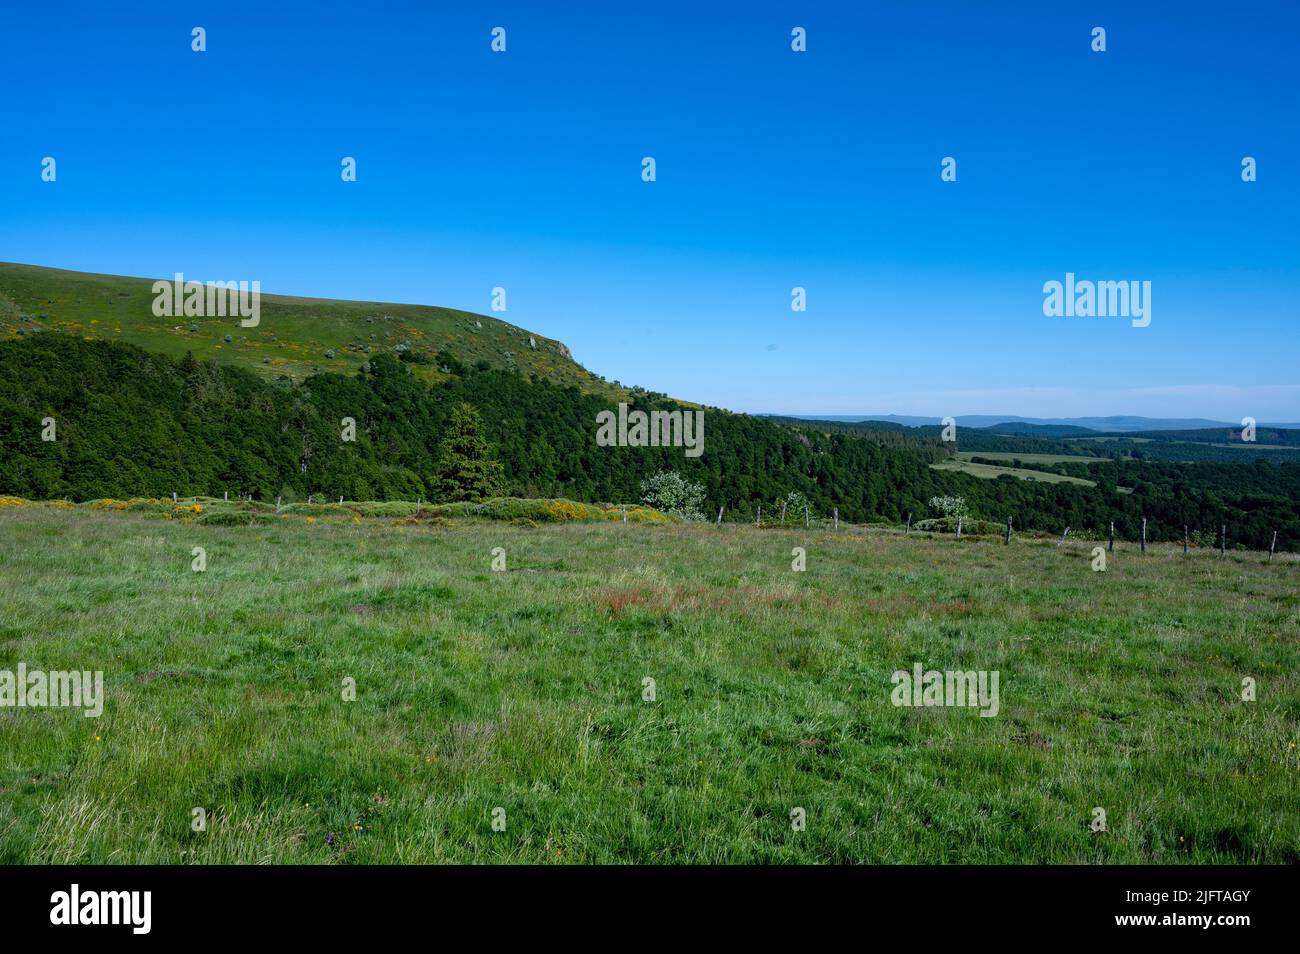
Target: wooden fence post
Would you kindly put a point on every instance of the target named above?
(625, 513)
(1063, 536)
(1272, 546)
(1144, 534)
(1186, 540)
(225, 495)
(759, 521)
(837, 518)
(719, 516)
(909, 523)
(959, 528)
(1223, 540)
(783, 503)
(277, 504)
(805, 516)
(1008, 531)
(1112, 536)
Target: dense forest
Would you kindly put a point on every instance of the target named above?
(130, 423)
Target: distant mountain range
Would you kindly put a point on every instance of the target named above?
(1111, 425)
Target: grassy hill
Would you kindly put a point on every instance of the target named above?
(523, 690)
(293, 336)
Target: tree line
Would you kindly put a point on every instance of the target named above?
(132, 423)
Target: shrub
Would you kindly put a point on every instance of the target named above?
(974, 528)
(949, 507)
(669, 492)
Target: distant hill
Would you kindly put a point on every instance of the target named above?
(295, 337)
(1117, 424)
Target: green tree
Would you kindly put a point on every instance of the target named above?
(466, 469)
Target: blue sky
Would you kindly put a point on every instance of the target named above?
(775, 169)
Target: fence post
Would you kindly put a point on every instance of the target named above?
(1223, 540)
(837, 518)
(783, 503)
(719, 516)
(225, 495)
(418, 501)
(1272, 546)
(1063, 536)
(625, 513)
(959, 528)
(1144, 534)
(805, 516)
(1112, 536)
(340, 500)
(1008, 531)
(277, 504)
(1185, 540)
(759, 521)
(909, 523)
(173, 496)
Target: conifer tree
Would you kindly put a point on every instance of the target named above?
(466, 469)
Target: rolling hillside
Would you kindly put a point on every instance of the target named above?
(295, 337)
(259, 415)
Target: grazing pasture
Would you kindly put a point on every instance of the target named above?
(521, 695)
(992, 471)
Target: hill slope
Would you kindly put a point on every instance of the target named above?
(294, 335)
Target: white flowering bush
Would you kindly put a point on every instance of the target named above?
(670, 492)
(949, 507)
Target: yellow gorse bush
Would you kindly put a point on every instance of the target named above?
(565, 510)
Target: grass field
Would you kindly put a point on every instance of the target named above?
(523, 690)
(991, 472)
(1031, 458)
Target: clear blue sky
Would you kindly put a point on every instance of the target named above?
(775, 169)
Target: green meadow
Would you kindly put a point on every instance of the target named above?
(1009, 456)
(525, 690)
(992, 471)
